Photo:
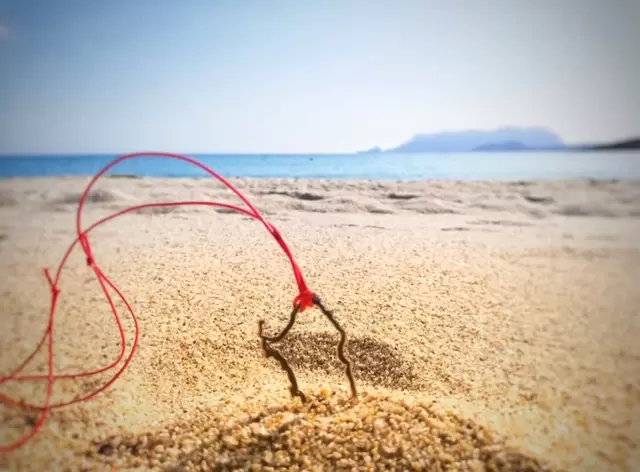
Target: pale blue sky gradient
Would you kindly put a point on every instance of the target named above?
(310, 76)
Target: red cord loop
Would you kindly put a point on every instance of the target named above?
(305, 298)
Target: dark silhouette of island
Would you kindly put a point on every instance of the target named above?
(625, 145)
(511, 139)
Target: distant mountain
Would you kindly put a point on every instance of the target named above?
(627, 144)
(504, 139)
(373, 150)
(471, 140)
(508, 146)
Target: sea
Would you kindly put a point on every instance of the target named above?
(608, 165)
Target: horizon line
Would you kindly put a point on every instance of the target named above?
(311, 153)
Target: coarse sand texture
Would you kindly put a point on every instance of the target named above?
(490, 325)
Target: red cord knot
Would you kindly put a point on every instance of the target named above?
(54, 288)
(84, 242)
(305, 300)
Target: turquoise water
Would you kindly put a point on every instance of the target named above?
(463, 166)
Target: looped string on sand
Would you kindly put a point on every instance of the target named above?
(305, 299)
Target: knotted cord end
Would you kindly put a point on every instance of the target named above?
(84, 242)
(305, 300)
(54, 288)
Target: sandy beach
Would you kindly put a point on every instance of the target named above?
(492, 325)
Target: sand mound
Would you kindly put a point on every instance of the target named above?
(374, 361)
(7, 199)
(159, 210)
(401, 196)
(379, 432)
(427, 205)
(539, 199)
(306, 196)
(94, 196)
(597, 209)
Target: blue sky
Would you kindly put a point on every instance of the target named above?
(310, 76)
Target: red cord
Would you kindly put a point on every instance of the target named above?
(304, 297)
